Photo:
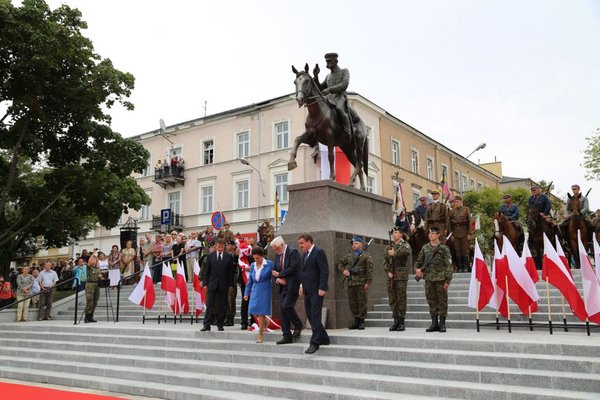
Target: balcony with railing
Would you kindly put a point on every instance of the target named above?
(175, 225)
(171, 176)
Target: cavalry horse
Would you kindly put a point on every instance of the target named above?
(577, 223)
(322, 126)
(537, 226)
(504, 227)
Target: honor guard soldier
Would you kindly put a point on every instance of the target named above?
(92, 290)
(434, 263)
(394, 263)
(437, 215)
(460, 226)
(357, 268)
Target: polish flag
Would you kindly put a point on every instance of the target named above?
(521, 286)
(243, 263)
(591, 286)
(597, 257)
(143, 294)
(167, 284)
(199, 291)
(530, 263)
(554, 270)
(499, 271)
(271, 326)
(181, 290)
(480, 276)
(562, 256)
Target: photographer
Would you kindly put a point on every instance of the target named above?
(357, 268)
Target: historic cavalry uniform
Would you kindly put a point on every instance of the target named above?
(396, 286)
(460, 226)
(226, 234)
(511, 211)
(541, 203)
(92, 292)
(436, 264)
(360, 265)
(437, 216)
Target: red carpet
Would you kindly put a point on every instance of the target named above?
(12, 391)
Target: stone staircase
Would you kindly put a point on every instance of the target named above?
(170, 361)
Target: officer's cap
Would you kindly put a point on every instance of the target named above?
(232, 242)
(435, 191)
(457, 198)
(226, 223)
(507, 196)
(396, 228)
(357, 239)
(331, 56)
(434, 229)
(422, 198)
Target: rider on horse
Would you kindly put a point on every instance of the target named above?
(510, 210)
(541, 203)
(584, 209)
(334, 89)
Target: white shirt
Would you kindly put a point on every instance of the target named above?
(47, 279)
(257, 270)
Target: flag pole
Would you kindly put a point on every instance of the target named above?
(193, 308)
(497, 320)
(549, 308)
(144, 309)
(507, 305)
(530, 322)
(562, 301)
(477, 304)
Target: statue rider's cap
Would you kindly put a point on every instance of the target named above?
(507, 196)
(435, 191)
(434, 229)
(331, 56)
(357, 239)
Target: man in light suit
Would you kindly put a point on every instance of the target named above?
(314, 276)
(287, 273)
(218, 278)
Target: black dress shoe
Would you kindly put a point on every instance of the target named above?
(297, 333)
(244, 327)
(285, 340)
(325, 343)
(220, 328)
(205, 328)
(312, 348)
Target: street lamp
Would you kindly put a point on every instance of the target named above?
(481, 146)
(260, 181)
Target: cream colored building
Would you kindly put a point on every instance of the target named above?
(215, 179)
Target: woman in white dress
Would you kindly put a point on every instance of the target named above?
(114, 266)
(102, 265)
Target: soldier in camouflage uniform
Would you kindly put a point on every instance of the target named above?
(92, 291)
(437, 215)
(434, 263)
(394, 263)
(460, 226)
(357, 267)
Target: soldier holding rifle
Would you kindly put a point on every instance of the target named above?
(357, 268)
(396, 269)
(434, 264)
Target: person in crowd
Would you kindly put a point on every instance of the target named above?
(12, 278)
(35, 288)
(508, 209)
(102, 264)
(314, 276)
(357, 268)
(288, 264)
(402, 222)
(460, 226)
(218, 278)
(395, 265)
(85, 255)
(209, 237)
(158, 170)
(167, 253)
(157, 251)
(176, 249)
(193, 248)
(584, 210)
(80, 272)
(232, 249)
(539, 201)
(166, 166)
(24, 290)
(226, 233)
(47, 280)
(437, 215)
(147, 250)
(114, 266)
(435, 266)
(6, 293)
(421, 209)
(181, 166)
(259, 290)
(92, 290)
(128, 260)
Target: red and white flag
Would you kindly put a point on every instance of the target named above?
(597, 257)
(480, 277)
(562, 256)
(243, 262)
(167, 284)
(554, 270)
(181, 292)
(521, 287)
(199, 291)
(591, 286)
(271, 326)
(143, 294)
(529, 263)
(499, 271)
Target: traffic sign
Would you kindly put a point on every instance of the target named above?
(166, 216)
(218, 220)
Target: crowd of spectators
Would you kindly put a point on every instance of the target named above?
(173, 167)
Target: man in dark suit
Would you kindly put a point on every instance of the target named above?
(287, 273)
(314, 276)
(218, 278)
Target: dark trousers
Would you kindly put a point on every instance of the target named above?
(244, 306)
(313, 304)
(156, 272)
(288, 314)
(221, 297)
(45, 304)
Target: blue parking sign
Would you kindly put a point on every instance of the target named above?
(165, 216)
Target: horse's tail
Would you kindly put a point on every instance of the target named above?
(365, 157)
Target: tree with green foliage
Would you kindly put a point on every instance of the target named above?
(591, 156)
(62, 168)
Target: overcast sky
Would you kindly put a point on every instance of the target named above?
(522, 76)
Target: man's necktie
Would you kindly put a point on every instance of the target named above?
(281, 261)
(219, 257)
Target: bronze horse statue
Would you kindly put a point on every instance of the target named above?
(504, 227)
(322, 126)
(537, 225)
(577, 222)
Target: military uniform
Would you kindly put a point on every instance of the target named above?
(232, 293)
(396, 286)
(460, 226)
(436, 264)
(357, 296)
(92, 292)
(437, 216)
(226, 234)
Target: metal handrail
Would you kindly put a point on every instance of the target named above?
(141, 271)
(47, 290)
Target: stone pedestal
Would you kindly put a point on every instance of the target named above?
(332, 214)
